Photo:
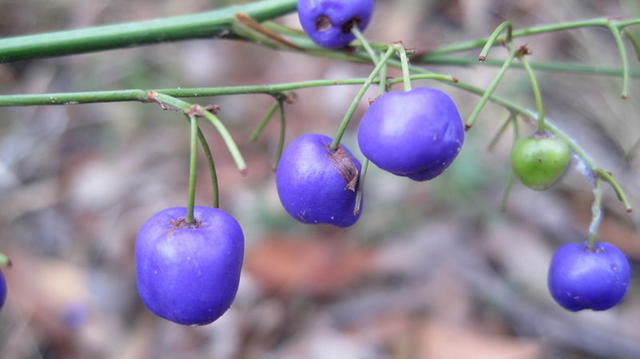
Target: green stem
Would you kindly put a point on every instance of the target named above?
(492, 39)
(74, 98)
(596, 213)
(363, 174)
(188, 108)
(500, 132)
(623, 58)
(193, 168)
(406, 74)
(382, 85)
(352, 108)
(617, 188)
(635, 42)
(536, 92)
(216, 23)
(281, 135)
(507, 192)
(215, 195)
(365, 43)
(486, 95)
(265, 120)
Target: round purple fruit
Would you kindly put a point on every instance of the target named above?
(189, 273)
(329, 22)
(416, 133)
(316, 184)
(588, 278)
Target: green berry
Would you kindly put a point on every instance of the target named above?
(539, 161)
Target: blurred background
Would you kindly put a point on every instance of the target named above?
(431, 270)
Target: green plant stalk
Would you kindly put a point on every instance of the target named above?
(352, 108)
(215, 195)
(486, 95)
(74, 98)
(615, 31)
(187, 108)
(265, 120)
(193, 168)
(492, 39)
(501, 131)
(507, 192)
(406, 74)
(535, 87)
(281, 135)
(363, 174)
(474, 44)
(365, 43)
(596, 213)
(215, 23)
(634, 42)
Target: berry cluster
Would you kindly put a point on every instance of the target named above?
(188, 271)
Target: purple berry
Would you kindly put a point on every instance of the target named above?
(189, 273)
(415, 133)
(3, 290)
(317, 185)
(584, 278)
(328, 22)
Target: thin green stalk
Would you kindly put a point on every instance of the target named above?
(365, 43)
(501, 131)
(596, 213)
(75, 98)
(635, 42)
(616, 186)
(406, 74)
(216, 23)
(204, 145)
(265, 120)
(492, 39)
(486, 95)
(623, 58)
(193, 168)
(281, 135)
(352, 108)
(188, 109)
(536, 92)
(363, 174)
(507, 192)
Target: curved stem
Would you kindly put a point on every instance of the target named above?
(265, 120)
(281, 135)
(501, 131)
(635, 42)
(536, 92)
(352, 108)
(365, 43)
(492, 39)
(193, 168)
(623, 58)
(202, 25)
(406, 74)
(204, 145)
(486, 94)
(596, 213)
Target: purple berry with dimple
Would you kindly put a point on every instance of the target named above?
(316, 184)
(416, 133)
(329, 22)
(584, 278)
(3, 290)
(189, 273)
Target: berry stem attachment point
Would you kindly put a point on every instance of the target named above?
(265, 120)
(492, 88)
(615, 31)
(492, 39)
(522, 53)
(596, 212)
(404, 60)
(352, 108)
(281, 135)
(365, 43)
(193, 168)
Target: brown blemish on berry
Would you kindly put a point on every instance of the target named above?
(345, 165)
(353, 22)
(323, 23)
(181, 223)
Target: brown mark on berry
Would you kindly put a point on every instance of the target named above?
(345, 165)
(323, 23)
(349, 25)
(181, 223)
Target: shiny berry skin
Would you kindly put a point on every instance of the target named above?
(328, 22)
(3, 290)
(540, 161)
(189, 274)
(582, 278)
(316, 185)
(416, 133)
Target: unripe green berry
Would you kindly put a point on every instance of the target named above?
(539, 161)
